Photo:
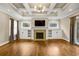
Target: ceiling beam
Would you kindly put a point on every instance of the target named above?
(65, 6)
(27, 8)
(14, 7)
(52, 5)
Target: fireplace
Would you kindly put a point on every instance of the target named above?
(39, 34)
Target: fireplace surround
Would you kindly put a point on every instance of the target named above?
(39, 34)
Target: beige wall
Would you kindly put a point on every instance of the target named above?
(65, 26)
(4, 28)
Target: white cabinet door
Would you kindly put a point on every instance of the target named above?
(56, 34)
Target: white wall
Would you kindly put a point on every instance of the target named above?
(65, 26)
(4, 28)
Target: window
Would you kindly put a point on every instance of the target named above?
(15, 27)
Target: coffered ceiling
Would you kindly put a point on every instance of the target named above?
(23, 11)
(18, 5)
(39, 8)
(60, 5)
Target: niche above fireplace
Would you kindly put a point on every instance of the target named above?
(39, 23)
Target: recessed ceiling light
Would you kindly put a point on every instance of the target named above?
(8, 9)
(70, 9)
(38, 11)
(43, 8)
(35, 7)
(77, 17)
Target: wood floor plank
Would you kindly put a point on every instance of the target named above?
(54, 47)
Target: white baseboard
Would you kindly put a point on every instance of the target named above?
(4, 43)
(67, 40)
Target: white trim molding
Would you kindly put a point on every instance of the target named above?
(4, 43)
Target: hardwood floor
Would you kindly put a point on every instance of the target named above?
(39, 48)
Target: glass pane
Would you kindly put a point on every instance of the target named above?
(15, 27)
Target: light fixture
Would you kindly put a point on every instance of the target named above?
(39, 8)
(43, 8)
(35, 8)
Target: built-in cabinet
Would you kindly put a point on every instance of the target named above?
(55, 34)
(52, 29)
(29, 33)
(49, 33)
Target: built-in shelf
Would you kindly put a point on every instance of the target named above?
(49, 33)
(29, 33)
